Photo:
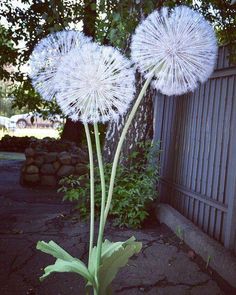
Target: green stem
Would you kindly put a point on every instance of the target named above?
(103, 202)
(91, 165)
(120, 143)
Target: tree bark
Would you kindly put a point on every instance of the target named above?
(90, 16)
(74, 131)
(141, 129)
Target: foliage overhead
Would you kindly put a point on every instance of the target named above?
(8, 54)
(116, 21)
(29, 23)
(122, 18)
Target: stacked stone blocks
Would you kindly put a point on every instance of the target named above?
(46, 167)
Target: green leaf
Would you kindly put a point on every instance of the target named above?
(108, 248)
(53, 249)
(64, 263)
(93, 6)
(76, 266)
(116, 17)
(115, 256)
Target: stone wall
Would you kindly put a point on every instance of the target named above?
(47, 161)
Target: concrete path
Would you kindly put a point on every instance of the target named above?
(165, 267)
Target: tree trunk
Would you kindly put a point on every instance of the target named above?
(90, 16)
(141, 129)
(74, 131)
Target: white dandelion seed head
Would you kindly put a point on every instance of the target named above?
(95, 84)
(46, 58)
(179, 46)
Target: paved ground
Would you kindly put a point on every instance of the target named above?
(165, 266)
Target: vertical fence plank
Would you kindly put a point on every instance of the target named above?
(193, 139)
(190, 124)
(209, 124)
(230, 227)
(220, 136)
(184, 138)
(200, 179)
(175, 176)
(212, 164)
(199, 143)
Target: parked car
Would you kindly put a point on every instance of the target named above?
(34, 119)
(4, 122)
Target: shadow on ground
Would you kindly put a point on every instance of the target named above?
(165, 266)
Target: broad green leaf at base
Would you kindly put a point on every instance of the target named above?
(64, 263)
(114, 256)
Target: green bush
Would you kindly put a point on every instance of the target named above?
(134, 191)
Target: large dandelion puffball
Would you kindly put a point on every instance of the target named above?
(46, 58)
(95, 84)
(179, 46)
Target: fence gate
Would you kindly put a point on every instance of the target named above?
(198, 163)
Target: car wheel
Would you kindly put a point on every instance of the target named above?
(56, 124)
(21, 123)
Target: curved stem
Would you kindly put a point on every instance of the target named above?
(103, 201)
(120, 143)
(91, 165)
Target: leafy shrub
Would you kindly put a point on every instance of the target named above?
(134, 190)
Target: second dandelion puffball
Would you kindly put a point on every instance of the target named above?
(46, 57)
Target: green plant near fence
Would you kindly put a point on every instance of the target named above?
(134, 192)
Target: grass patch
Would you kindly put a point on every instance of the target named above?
(11, 156)
(36, 132)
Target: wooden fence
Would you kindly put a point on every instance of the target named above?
(198, 163)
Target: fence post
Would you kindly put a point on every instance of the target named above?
(230, 226)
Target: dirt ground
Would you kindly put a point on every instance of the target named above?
(165, 265)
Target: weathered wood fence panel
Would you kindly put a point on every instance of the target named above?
(198, 163)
